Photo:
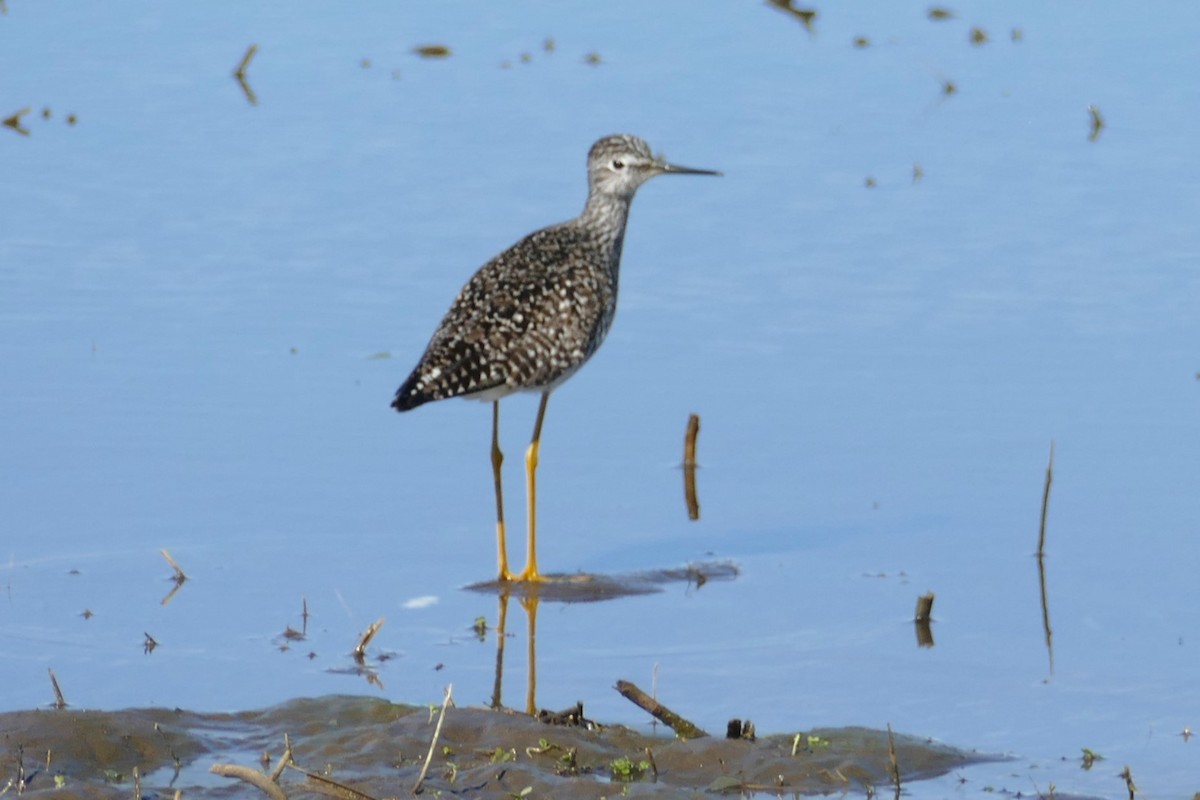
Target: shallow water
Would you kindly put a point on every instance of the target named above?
(206, 304)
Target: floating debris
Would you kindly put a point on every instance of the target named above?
(432, 51)
(806, 15)
(14, 121)
(149, 644)
(548, 45)
(861, 42)
(978, 36)
(1016, 35)
(949, 87)
(1097, 123)
(869, 182)
(938, 13)
(239, 74)
(592, 58)
(72, 119)
(365, 63)
(918, 173)
(526, 58)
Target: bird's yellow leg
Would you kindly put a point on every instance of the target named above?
(497, 460)
(530, 573)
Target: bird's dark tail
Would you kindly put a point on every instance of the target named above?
(408, 398)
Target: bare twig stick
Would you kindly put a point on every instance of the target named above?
(1046, 502)
(284, 760)
(683, 728)
(689, 467)
(437, 731)
(257, 779)
(924, 607)
(895, 766)
(59, 700)
(180, 575)
(360, 649)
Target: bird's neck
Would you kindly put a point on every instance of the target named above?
(604, 216)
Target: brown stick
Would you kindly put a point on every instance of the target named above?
(924, 607)
(257, 779)
(895, 766)
(689, 440)
(1046, 502)
(59, 700)
(180, 576)
(360, 650)
(683, 728)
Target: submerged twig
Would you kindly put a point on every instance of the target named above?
(1046, 502)
(684, 729)
(59, 700)
(437, 731)
(360, 649)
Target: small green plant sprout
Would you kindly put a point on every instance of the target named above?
(521, 795)
(480, 627)
(502, 756)
(623, 770)
(1090, 757)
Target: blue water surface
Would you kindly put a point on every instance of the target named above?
(916, 274)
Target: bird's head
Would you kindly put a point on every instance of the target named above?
(619, 164)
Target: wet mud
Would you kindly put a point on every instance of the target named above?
(346, 745)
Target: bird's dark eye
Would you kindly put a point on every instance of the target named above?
(618, 164)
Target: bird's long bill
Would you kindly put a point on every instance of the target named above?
(675, 169)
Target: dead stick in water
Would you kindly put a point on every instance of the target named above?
(895, 766)
(59, 700)
(437, 731)
(240, 72)
(683, 728)
(689, 440)
(180, 577)
(1046, 502)
(924, 607)
(360, 649)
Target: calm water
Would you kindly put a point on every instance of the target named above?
(205, 306)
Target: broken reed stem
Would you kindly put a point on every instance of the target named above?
(1046, 502)
(689, 440)
(895, 766)
(240, 72)
(180, 576)
(683, 728)
(284, 760)
(924, 607)
(360, 649)
(59, 700)
(1128, 776)
(259, 780)
(437, 731)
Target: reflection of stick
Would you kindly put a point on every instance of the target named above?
(1046, 502)
(59, 700)
(1046, 612)
(437, 731)
(360, 650)
(682, 727)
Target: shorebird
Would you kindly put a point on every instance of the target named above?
(528, 319)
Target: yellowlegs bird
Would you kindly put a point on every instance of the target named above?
(531, 317)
